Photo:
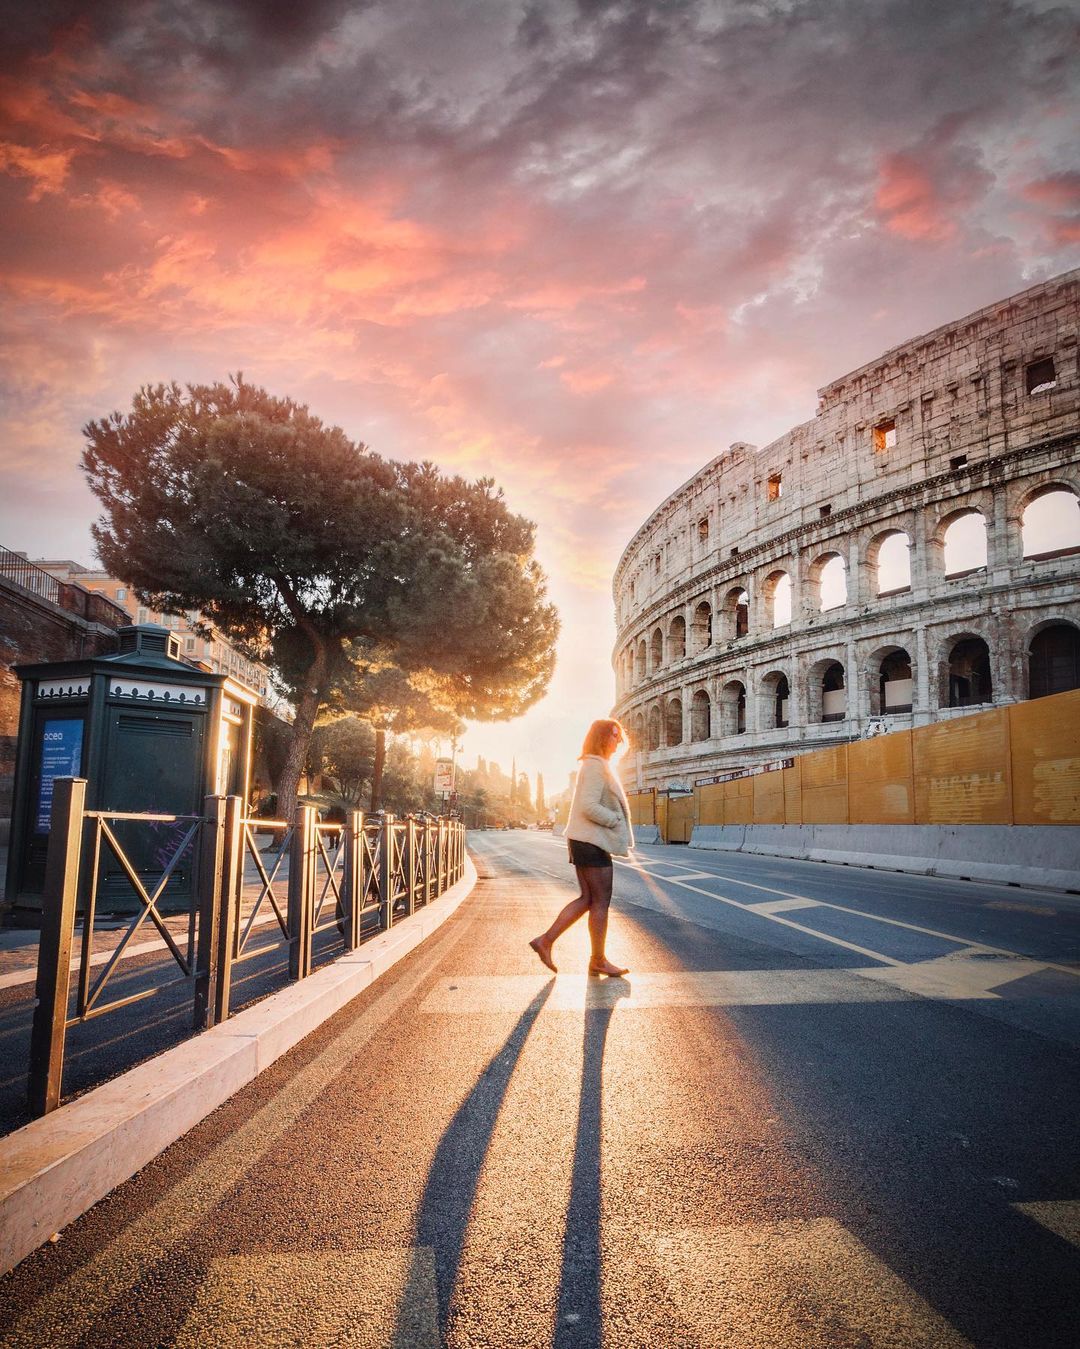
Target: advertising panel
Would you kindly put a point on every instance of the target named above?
(61, 757)
(444, 777)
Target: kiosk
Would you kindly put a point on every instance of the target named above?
(149, 733)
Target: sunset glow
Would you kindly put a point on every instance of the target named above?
(581, 249)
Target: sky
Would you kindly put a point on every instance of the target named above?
(578, 246)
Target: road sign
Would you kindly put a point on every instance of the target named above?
(444, 777)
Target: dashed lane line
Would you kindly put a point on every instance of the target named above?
(69, 1311)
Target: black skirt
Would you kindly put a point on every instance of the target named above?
(587, 854)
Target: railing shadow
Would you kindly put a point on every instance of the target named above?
(454, 1175)
(579, 1316)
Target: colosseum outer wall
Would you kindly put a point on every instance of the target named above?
(977, 419)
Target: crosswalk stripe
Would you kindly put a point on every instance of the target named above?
(1060, 1216)
(808, 1282)
(783, 905)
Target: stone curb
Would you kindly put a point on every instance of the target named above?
(57, 1167)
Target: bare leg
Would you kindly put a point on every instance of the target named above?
(600, 879)
(567, 915)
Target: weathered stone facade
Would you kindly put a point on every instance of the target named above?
(976, 419)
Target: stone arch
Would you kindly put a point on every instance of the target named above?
(733, 708)
(701, 631)
(700, 716)
(778, 592)
(656, 651)
(673, 722)
(1049, 520)
(958, 545)
(642, 663)
(828, 580)
(775, 700)
(1053, 658)
(892, 681)
(736, 613)
(639, 731)
(826, 689)
(888, 562)
(965, 679)
(677, 638)
(654, 727)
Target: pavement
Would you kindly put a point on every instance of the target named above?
(826, 1108)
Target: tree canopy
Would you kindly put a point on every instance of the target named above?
(323, 559)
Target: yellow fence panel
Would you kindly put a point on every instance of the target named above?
(662, 817)
(739, 801)
(710, 803)
(824, 786)
(880, 785)
(1045, 742)
(768, 798)
(642, 806)
(793, 793)
(961, 770)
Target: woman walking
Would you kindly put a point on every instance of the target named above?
(599, 825)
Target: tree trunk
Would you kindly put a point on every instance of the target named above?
(377, 768)
(307, 709)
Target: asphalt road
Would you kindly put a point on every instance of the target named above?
(827, 1108)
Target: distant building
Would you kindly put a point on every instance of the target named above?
(216, 654)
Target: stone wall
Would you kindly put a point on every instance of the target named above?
(979, 416)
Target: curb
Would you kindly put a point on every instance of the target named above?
(57, 1167)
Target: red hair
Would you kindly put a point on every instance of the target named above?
(598, 734)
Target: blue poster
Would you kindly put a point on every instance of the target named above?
(61, 757)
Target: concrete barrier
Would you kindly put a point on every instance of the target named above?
(1047, 856)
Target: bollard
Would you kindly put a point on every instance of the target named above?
(210, 901)
(59, 903)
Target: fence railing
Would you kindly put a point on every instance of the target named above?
(23, 572)
(357, 878)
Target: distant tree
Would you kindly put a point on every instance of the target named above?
(524, 794)
(345, 750)
(315, 554)
(540, 807)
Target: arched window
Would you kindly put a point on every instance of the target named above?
(733, 708)
(782, 702)
(892, 564)
(736, 613)
(654, 727)
(832, 583)
(833, 693)
(673, 721)
(1050, 524)
(656, 651)
(964, 543)
(642, 661)
(639, 731)
(677, 638)
(969, 673)
(895, 682)
(700, 716)
(778, 598)
(1054, 660)
(702, 628)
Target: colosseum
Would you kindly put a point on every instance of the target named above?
(910, 554)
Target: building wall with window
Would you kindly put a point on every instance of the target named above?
(911, 553)
(215, 653)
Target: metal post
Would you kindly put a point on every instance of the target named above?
(210, 902)
(386, 872)
(301, 892)
(353, 883)
(59, 903)
(443, 834)
(410, 865)
(426, 861)
(232, 890)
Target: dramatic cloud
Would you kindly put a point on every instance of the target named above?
(580, 246)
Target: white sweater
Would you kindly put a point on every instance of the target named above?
(599, 810)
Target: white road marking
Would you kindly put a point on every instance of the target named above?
(783, 905)
(509, 994)
(1060, 1216)
(363, 1298)
(805, 1282)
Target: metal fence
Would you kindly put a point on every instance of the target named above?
(19, 569)
(352, 879)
